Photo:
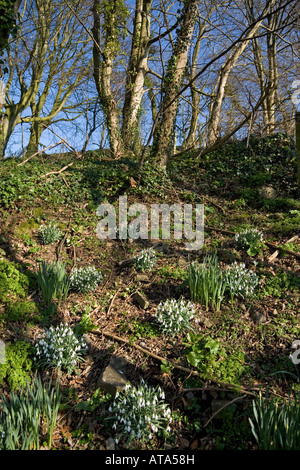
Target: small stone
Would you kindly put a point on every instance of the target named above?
(141, 300)
(184, 443)
(189, 396)
(259, 318)
(268, 192)
(110, 444)
(217, 407)
(205, 322)
(113, 377)
(142, 278)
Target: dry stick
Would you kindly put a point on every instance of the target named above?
(40, 151)
(59, 248)
(269, 244)
(222, 408)
(172, 364)
(112, 301)
(78, 156)
(276, 253)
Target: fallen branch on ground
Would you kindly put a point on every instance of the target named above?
(269, 244)
(40, 151)
(236, 388)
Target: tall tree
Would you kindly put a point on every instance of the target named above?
(46, 67)
(176, 69)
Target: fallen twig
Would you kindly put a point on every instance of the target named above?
(276, 253)
(269, 244)
(172, 364)
(59, 248)
(40, 151)
(222, 408)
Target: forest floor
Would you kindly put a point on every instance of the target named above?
(210, 405)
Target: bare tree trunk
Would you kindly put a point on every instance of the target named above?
(135, 77)
(103, 70)
(225, 71)
(267, 70)
(164, 133)
(191, 140)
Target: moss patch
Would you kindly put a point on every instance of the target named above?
(25, 310)
(17, 364)
(13, 283)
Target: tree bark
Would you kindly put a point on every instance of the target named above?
(214, 119)
(135, 77)
(164, 133)
(103, 69)
(191, 140)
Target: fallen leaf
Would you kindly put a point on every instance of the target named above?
(194, 444)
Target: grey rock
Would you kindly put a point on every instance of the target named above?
(141, 300)
(113, 377)
(217, 407)
(258, 317)
(110, 444)
(268, 192)
(142, 278)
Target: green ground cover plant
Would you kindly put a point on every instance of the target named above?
(18, 364)
(13, 283)
(246, 298)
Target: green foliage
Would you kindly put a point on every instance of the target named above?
(279, 285)
(89, 181)
(25, 310)
(49, 233)
(153, 181)
(206, 282)
(289, 225)
(17, 364)
(53, 282)
(233, 431)
(276, 426)
(142, 330)
(13, 283)
(84, 326)
(242, 168)
(212, 360)
(98, 398)
(174, 316)
(28, 416)
(85, 279)
(171, 272)
(8, 22)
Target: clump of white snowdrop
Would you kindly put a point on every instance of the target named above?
(138, 413)
(48, 234)
(85, 279)
(241, 282)
(145, 260)
(174, 316)
(60, 348)
(251, 240)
